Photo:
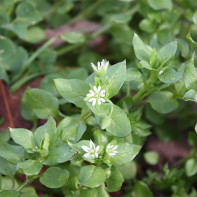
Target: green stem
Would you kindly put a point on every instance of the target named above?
(69, 48)
(141, 94)
(27, 182)
(32, 58)
(86, 13)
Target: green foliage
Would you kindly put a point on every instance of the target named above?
(54, 177)
(95, 136)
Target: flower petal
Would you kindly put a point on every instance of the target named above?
(85, 148)
(97, 148)
(99, 101)
(87, 155)
(102, 91)
(95, 89)
(94, 102)
(102, 100)
(92, 145)
(99, 89)
(89, 95)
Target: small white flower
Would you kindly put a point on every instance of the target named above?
(101, 67)
(91, 151)
(160, 72)
(96, 95)
(111, 150)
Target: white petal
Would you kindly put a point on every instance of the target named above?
(87, 155)
(109, 146)
(97, 148)
(102, 100)
(94, 102)
(85, 148)
(96, 155)
(95, 89)
(94, 67)
(99, 89)
(102, 95)
(102, 91)
(99, 101)
(115, 147)
(92, 145)
(91, 91)
(90, 95)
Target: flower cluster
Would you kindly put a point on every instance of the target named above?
(93, 151)
(111, 150)
(96, 95)
(101, 67)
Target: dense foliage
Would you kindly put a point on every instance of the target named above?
(118, 82)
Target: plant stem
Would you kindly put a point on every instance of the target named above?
(27, 182)
(32, 58)
(69, 48)
(86, 13)
(141, 94)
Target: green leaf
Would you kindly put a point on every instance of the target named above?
(12, 153)
(116, 75)
(6, 168)
(190, 95)
(26, 11)
(133, 74)
(115, 180)
(73, 37)
(163, 102)
(170, 76)
(191, 167)
(146, 65)
(30, 167)
(43, 103)
(120, 17)
(24, 137)
(73, 90)
(7, 51)
(71, 128)
(183, 47)
(48, 129)
(35, 35)
(151, 157)
(141, 189)
(195, 17)
(125, 153)
(189, 38)
(167, 52)
(28, 191)
(59, 154)
(92, 176)
(142, 51)
(26, 110)
(54, 177)
(10, 193)
(147, 25)
(190, 75)
(160, 4)
(94, 192)
(119, 127)
(128, 170)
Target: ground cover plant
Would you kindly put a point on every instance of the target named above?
(98, 98)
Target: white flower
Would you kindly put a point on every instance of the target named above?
(101, 67)
(91, 151)
(96, 95)
(111, 150)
